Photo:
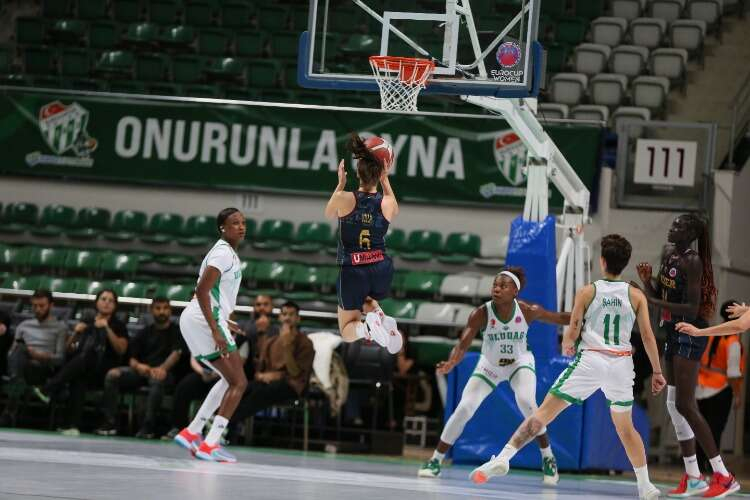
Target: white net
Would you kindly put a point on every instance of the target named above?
(400, 79)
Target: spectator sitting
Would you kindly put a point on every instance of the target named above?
(195, 386)
(153, 354)
(38, 350)
(5, 341)
(258, 330)
(97, 344)
(283, 369)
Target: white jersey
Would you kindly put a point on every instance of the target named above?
(224, 292)
(501, 340)
(609, 319)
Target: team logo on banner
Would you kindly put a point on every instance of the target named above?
(64, 129)
(510, 156)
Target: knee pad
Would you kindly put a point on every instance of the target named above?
(681, 426)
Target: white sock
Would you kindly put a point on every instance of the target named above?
(209, 406)
(436, 455)
(220, 423)
(691, 466)
(718, 465)
(641, 475)
(361, 331)
(508, 452)
(379, 311)
(546, 452)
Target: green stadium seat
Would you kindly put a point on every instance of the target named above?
(406, 309)
(249, 44)
(306, 282)
(118, 263)
(554, 8)
(226, 69)
(14, 257)
(360, 44)
(55, 220)
(168, 89)
(55, 8)
(68, 31)
(460, 248)
(37, 60)
(126, 11)
(236, 13)
(163, 228)
(90, 223)
(557, 57)
(94, 287)
(60, 285)
(273, 18)
(92, 9)
(285, 45)
(163, 11)
(206, 91)
(571, 30)
(126, 226)
(187, 69)
(151, 67)
(177, 38)
(6, 60)
(311, 237)
(27, 283)
(590, 9)
(31, 31)
(422, 283)
(181, 293)
(86, 261)
(116, 62)
(264, 73)
(172, 259)
(422, 245)
(74, 62)
(133, 289)
(240, 93)
(127, 87)
(46, 258)
(141, 35)
(84, 84)
(199, 12)
(214, 41)
(268, 273)
(19, 217)
(103, 35)
(273, 234)
(300, 18)
(199, 230)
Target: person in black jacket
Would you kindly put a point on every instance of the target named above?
(96, 345)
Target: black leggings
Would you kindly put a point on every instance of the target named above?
(683, 374)
(716, 412)
(76, 373)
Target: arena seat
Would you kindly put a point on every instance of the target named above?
(651, 92)
(31, 30)
(285, 45)
(126, 226)
(86, 261)
(163, 12)
(176, 292)
(688, 34)
(311, 237)
(484, 287)
(571, 30)
(214, 41)
(37, 60)
(459, 286)
(708, 11)
(187, 68)
(590, 112)
(89, 223)
(608, 31)
(14, 258)
(250, 43)
(236, 13)
(630, 112)
(55, 8)
(648, 32)
(439, 312)
(273, 18)
(118, 263)
(629, 60)
(552, 110)
(460, 248)
(591, 58)
(55, 219)
(422, 245)
(200, 230)
(65, 285)
(669, 10)
(49, 259)
(177, 38)
(103, 35)
(568, 88)
(608, 89)
(68, 32)
(133, 289)
(626, 9)
(19, 217)
(126, 11)
(163, 228)
(406, 309)
(74, 62)
(273, 235)
(116, 62)
(92, 9)
(141, 36)
(199, 12)
(418, 283)
(590, 9)
(671, 64)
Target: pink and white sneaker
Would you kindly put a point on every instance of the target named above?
(383, 330)
(215, 453)
(188, 440)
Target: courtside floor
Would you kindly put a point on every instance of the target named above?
(36, 465)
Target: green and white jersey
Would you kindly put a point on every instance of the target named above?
(609, 319)
(224, 292)
(501, 340)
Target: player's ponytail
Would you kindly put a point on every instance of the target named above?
(369, 169)
(708, 288)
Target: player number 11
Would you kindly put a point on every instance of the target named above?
(615, 326)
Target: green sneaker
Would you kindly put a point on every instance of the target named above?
(549, 469)
(430, 469)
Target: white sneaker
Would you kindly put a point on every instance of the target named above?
(497, 466)
(395, 340)
(379, 333)
(650, 492)
(74, 432)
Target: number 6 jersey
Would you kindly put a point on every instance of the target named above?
(504, 340)
(609, 318)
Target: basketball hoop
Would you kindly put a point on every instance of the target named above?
(400, 79)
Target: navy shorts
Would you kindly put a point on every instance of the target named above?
(683, 345)
(356, 283)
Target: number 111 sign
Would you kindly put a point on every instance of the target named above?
(668, 163)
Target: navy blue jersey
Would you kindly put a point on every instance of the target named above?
(362, 232)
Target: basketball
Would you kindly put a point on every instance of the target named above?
(381, 149)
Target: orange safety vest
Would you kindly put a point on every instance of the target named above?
(713, 369)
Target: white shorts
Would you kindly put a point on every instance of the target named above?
(592, 370)
(198, 336)
(494, 375)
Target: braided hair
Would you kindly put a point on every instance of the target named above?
(699, 228)
(369, 168)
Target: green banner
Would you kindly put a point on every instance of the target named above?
(281, 148)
